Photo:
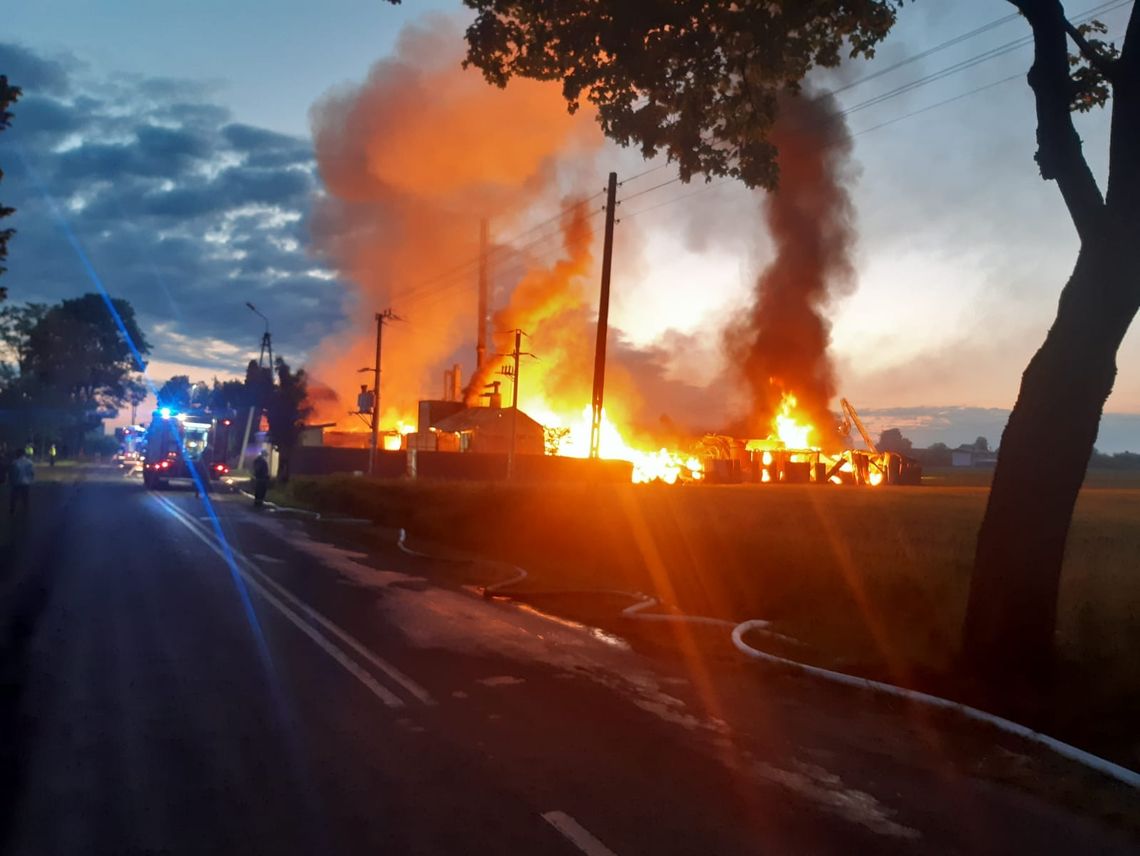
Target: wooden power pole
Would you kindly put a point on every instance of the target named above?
(381, 317)
(481, 337)
(603, 321)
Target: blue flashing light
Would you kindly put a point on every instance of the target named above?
(164, 412)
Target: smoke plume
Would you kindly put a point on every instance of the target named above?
(411, 160)
(781, 345)
(551, 305)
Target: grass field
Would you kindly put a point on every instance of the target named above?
(874, 580)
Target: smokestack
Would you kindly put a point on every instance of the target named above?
(456, 391)
(494, 397)
(481, 337)
(552, 296)
(781, 345)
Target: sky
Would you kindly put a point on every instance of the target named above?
(174, 143)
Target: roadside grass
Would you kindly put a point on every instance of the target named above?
(873, 581)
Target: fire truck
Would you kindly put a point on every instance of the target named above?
(177, 442)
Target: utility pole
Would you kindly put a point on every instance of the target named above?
(481, 337)
(266, 340)
(381, 317)
(603, 321)
(266, 348)
(512, 371)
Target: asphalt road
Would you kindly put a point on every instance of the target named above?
(189, 678)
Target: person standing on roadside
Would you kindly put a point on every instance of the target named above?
(51, 455)
(260, 480)
(21, 474)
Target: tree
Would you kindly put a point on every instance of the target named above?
(258, 385)
(696, 80)
(175, 393)
(228, 396)
(73, 368)
(286, 409)
(981, 444)
(892, 440)
(699, 81)
(9, 95)
(935, 455)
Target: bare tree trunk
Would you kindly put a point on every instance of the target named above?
(1012, 612)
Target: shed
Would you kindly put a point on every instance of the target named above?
(488, 429)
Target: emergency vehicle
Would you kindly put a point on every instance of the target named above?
(176, 442)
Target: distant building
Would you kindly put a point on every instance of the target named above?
(968, 456)
(313, 435)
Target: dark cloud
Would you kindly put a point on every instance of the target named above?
(265, 148)
(44, 116)
(31, 72)
(180, 210)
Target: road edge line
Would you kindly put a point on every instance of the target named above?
(385, 695)
(409, 685)
(576, 834)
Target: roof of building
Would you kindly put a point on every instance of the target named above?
(483, 417)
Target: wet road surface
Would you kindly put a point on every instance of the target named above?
(185, 680)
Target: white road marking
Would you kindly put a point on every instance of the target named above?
(272, 560)
(351, 641)
(577, 834)
(322, 642)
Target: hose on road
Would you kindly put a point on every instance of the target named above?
(1095, 762)
(739, 630)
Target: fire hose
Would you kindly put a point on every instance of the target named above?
(739, 630)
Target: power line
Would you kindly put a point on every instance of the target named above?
(708, 186)
(949, 43)
(643, 173)
(933, 77)
(459, 276)
(502, 245)
(942, 103)
(649, 189)
(977, 59)
(518, 265)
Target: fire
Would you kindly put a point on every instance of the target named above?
(792, 433)
(662, 464)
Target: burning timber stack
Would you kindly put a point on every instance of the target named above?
(728, 460)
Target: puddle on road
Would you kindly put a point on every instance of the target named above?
(826, 789)
(501, 681)
(596, 632)
(344, 562)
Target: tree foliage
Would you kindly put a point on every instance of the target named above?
(696, 80)
(8, 96)
(175, 393)
(228, 396)
(287, 408)
(70, 365)
(892, 440)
